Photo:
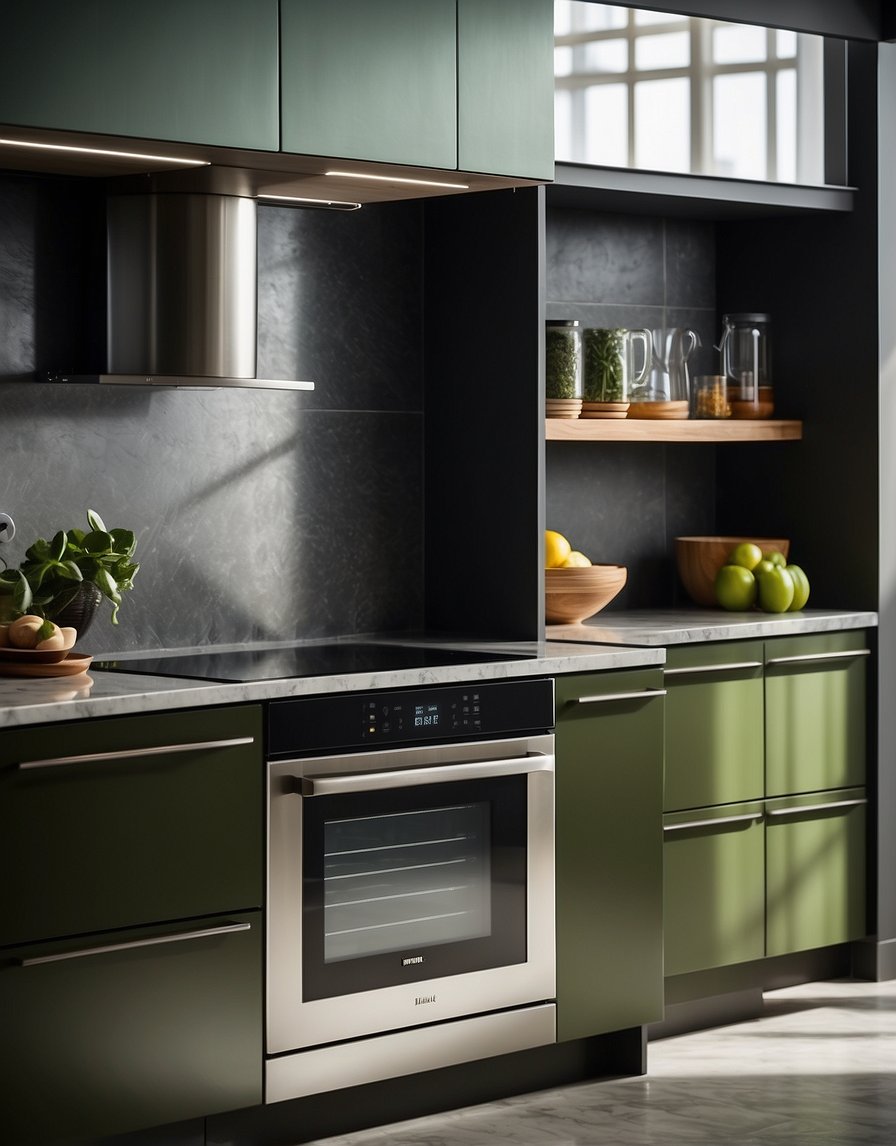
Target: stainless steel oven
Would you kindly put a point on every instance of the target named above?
(410, 881)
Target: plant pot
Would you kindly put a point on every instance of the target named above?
(81, 610)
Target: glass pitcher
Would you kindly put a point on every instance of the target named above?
(669, 379)
(610, 370)
(746, 363)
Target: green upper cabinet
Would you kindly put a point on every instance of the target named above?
(370, 79)
(505, 102)
(196, 71)
(815, 713)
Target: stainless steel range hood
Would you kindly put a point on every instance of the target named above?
(181, 293)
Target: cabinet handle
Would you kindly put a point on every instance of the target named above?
(818, 657)
(798, 811)
(714, 668)
(641, 694)
(748, 817)
(126, 753)
(178, 937)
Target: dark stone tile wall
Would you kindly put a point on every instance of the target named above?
(625, 503)
(259, 515)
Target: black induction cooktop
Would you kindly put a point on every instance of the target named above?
(330, 659)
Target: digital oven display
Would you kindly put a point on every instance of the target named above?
(396, 717)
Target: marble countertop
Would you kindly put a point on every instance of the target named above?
(655, 628)
(25, 701)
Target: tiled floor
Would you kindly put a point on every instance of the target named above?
(818, 1069)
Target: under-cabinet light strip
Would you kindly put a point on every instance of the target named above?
(333, 204)
(396, 179)
(103, 151)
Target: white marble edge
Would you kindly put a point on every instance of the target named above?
(30, 701)
(656, 628)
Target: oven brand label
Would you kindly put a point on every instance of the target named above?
(411, 959)
(421, 999)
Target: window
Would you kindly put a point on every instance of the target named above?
(659, 91)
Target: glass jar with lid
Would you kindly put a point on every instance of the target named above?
(746, 363)
(563, 367)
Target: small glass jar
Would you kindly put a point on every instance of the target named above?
(563, 360)
(746, 362)
(711, 397)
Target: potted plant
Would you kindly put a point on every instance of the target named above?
(65, 579)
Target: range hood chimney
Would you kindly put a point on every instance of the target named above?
(181, 292)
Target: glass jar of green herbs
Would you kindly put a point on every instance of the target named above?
(604, 370)
(563, 359)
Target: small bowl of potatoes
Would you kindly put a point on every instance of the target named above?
(32, 638)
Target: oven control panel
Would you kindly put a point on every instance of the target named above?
(409, 716)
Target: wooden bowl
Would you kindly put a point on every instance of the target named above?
(571, 595)
(700, 558)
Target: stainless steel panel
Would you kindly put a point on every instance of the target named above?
(292, 1022)
(181, 285)
(407, 1052)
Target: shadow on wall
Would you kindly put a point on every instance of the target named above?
(259, 514)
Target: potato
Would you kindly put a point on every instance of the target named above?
(55, 641)
(23, 633)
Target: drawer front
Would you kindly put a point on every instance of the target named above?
(714, 887)
(116, 1032)
(815, 712)
(118, 823)
(815, 870)
(714, 722)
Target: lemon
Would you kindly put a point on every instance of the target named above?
(556, 549)
(576, 560)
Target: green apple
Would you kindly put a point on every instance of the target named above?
(777, 558)
(735, 588)
(764, 566)
(747, 554)
(775, 590)
(800, 587)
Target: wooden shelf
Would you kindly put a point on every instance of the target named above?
(671, 430)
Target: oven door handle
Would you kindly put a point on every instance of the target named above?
(427, 774)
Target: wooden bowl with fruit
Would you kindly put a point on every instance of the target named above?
(574, 587)
(33, 640)
(699, 560)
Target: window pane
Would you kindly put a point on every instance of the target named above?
(642, 16)
(606, 125)
(738, 44)
(606, 56)
(589, 17)
(562, 17)
(663, 125)
(672, 50)
(563, 145)
(739, 126)
(562, 61)
(786, 143)
(786, 45)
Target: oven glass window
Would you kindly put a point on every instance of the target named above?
(409, 884)
(406, 880)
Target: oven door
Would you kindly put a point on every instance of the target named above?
(408, 887)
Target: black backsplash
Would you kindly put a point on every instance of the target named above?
(624, 503)
(259, 514)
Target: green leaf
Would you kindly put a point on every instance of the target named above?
(124, 541)
(58, 546)
(69, 571)
(22, 595)
(46, 630)
(107, 584)
(95, 521)
(98, 542)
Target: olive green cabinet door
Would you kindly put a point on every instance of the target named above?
(609, 852)
(505, 69)
(134, 820)
(714, 725)
(197, 71)
(815, 712)
(370, 79)
(714, 887)
(815, 870)
(110, 1033)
